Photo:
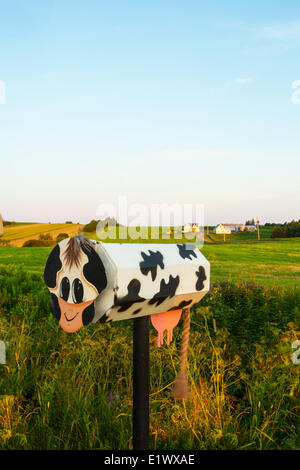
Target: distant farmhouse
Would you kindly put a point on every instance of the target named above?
(1, 226)
(191, 228)
(229, 228)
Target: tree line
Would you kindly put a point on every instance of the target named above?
(287, 230)
(93, 224)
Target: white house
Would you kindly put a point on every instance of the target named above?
(228, 228)
(191, 228)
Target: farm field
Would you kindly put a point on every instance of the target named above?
(18, 233)
(275, 262)
(269, 262)
(210, 237)
(265, 234)
(74, 391)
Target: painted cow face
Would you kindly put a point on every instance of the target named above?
(75, 276)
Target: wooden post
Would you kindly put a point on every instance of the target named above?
(257, 225)
(141, 383)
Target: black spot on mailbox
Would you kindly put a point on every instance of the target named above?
(151, 262)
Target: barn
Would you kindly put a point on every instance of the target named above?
(228, 228)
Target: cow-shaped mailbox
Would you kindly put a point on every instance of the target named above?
(92, 282)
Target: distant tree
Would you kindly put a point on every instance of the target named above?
(61, 236)
(37, 242)
(93, 224)
(278, 232)
(287, 230)
(273, 224)
(30, 243)
(68, 222)
(109, 222)
(250, 222)
(46, 237)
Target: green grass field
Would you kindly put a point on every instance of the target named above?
(265, 234)
(74, 391)
(268, 262)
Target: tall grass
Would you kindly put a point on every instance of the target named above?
(60, 391)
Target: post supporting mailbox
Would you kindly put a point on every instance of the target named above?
(141, 382)
(91, 282)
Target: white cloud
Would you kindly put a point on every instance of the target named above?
(283, 31)
(280, 31)
(243, 80)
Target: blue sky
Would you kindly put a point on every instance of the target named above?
(159, 101)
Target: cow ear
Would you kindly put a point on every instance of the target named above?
(52, 267)
(94, 271)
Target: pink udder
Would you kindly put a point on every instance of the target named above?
(165, 321)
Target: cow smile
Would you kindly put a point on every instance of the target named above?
(71, 319)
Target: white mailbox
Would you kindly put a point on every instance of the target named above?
(93, 282)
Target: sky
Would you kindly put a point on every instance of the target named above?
(161, 101)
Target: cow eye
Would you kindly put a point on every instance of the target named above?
(77, 291)
(64, 288)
